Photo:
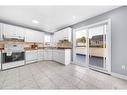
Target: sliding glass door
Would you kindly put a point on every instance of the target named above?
(91, 46)
(97, 46)
(80, 47)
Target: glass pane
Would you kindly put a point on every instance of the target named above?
(81, 43)
(97, 46)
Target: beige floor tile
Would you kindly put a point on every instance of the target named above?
(52, 75)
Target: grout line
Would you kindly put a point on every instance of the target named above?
(34, 79)
(4, 80)
(66, 79)
(49, 79)
(19, 78)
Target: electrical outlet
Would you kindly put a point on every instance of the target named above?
(123, 67)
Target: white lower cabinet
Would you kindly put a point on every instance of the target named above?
(31, 56)
(59, 55)
(62, 56)
(48, 54)
(55, 55)
(40, 54)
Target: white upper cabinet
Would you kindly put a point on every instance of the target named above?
(11, 31)
(34, 36)
(62, 34)
(39, 37)
(1, 32)
(20, 32)
(29, 37)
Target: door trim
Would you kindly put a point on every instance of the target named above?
(108, 40)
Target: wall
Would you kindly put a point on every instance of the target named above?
(118, 36)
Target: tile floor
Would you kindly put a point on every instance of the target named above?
(52, 75)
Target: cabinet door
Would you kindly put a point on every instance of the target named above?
(34, 36)
(40, 55)
(57, 56)
(0, 60)
(20, 32)
(56, 37)
(29, 35)
(54, 55)
(35, 54)
(1, 31)
(31, 55)
(49, 54)
(9, 31)
(45, 55)
(62, 34)
(40, 37)
(62, 58)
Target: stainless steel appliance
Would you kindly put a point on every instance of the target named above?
(13, 55)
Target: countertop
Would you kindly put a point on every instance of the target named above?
(33, 48)
(1, 48)
(44, 48)
(48, 48)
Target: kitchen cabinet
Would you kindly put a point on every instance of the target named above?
(30, 35)
(20, 32)
(31, 56)
(0, 60)
(1, 32)
(39, 37)
(62, 34)
(62, 56)
(48, 54)
(34, 36)
(59, 55)
(11, 31)
(55, 55)
(40, 54)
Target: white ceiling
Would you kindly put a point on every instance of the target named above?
(51, 18)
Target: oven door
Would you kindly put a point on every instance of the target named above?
(13, 57)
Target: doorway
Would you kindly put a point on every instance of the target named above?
(80, 47)
(91, 46)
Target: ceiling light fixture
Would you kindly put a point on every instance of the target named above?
(35, 21)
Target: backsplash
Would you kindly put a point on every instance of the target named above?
(64, 43)
(26, 44)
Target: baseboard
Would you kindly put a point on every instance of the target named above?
(113, 74)
(119, 75)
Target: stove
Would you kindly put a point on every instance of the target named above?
(13, 55)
